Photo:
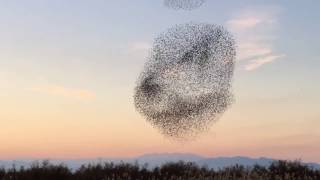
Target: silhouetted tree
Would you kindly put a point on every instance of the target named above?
(283, 170)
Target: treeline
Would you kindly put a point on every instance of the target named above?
(171, 171)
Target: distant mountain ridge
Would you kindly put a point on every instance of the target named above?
(153, 160)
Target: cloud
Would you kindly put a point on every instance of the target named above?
(252, 49)
(64, 91)
(256, 63)
(254, 30)
(244, 23)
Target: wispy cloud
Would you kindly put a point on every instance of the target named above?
(244, 23)
(256, 63)
(254, 32)
(252, 49)
(64, 91)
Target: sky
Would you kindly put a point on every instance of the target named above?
(68, 70)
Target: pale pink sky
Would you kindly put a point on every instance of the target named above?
(68, 70)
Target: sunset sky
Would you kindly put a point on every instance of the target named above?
(68, 69)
